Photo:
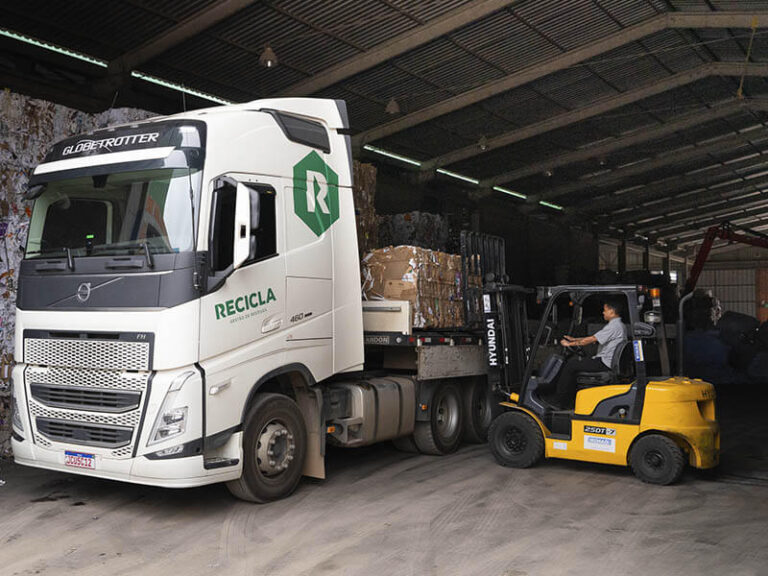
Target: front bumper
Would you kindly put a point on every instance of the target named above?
(168, 473)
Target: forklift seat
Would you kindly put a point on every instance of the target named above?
(621, 369)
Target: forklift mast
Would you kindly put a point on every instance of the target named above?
(506, 335)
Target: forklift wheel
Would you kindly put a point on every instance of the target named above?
(656, 459)
(515, 440)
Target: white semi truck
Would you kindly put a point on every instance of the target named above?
(189, 310)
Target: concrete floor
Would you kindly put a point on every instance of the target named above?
(383, 512)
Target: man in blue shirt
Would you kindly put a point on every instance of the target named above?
(608, 339)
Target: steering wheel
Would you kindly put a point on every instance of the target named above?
(569, 351)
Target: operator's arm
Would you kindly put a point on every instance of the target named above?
(571, 341)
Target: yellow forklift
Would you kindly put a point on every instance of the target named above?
(634, 414)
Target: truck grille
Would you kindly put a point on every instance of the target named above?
(80, 398)
(86, 434)
(87, 353)
(112, 379)
(99, 408)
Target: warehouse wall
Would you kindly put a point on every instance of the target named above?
(738, 275)
(28, 127)
(735, 288)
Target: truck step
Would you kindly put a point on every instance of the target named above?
(212, 463)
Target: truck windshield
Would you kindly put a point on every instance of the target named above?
(115, 213)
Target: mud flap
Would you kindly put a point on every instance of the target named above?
(310, 403)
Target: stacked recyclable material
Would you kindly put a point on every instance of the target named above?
(28, 127)
(735, 351)
(428, 279)
(364, 196)
(748, 341)
(414, 229)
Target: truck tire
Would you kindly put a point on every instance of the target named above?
(515, 440)
(478, 410)
(656, 459)
(442, 433)
(274, 446)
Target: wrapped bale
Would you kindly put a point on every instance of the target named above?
(429, 280)
(735, 327)
(421, 229)
(364, 196)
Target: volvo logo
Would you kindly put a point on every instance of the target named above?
(84, 291)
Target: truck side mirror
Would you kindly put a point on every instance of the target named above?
(242, 248)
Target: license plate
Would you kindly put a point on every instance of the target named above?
(80, 460)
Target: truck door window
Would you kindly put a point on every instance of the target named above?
(223, 228)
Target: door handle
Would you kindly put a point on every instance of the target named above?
(270, 325)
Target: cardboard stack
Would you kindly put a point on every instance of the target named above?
(429, 280)
(364, 195)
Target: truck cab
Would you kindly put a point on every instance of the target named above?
(174, 269)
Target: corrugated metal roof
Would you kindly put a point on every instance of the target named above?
(85, 25)
(311, 38)
(568, 24)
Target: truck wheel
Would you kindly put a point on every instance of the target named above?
(442, 434)
(478, 411)
(656, 459)
(274, 446)
(515, 440)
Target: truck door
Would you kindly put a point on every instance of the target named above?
(243, 313)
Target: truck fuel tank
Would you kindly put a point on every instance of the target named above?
(375, 409)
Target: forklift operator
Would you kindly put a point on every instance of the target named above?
(609, 340)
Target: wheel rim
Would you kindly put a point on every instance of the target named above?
(447, 416)
(515, 440)
(275, 448)
(655, 460)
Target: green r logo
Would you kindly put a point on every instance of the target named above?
(315, 193)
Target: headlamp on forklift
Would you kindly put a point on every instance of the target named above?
(171, 421)
(15, 414)
(652, 317)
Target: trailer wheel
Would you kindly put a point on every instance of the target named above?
(442, 433)
(274, 446)
(656, 459)
(515, 440)
(478, 411)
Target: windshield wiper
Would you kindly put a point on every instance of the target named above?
(70, 259)
(129, 246)
(148, 255)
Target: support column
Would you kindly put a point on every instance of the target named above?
(623, 257)
(647, 256)
(682, 278)
(667, 263)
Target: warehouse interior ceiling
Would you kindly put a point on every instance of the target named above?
(643, 119)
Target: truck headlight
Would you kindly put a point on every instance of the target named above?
(169, 424)
(15, 414)
(171, 420)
